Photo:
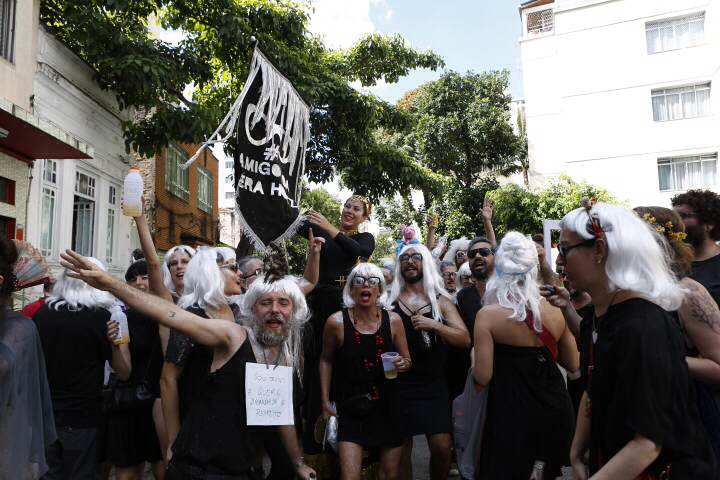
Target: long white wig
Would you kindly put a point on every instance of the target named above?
(292, 347)
(167, 277)
(204, 282)
(514, 284)
(76, 294)
(365, 269)
(432, 280)
(456, 245)
(636, 258)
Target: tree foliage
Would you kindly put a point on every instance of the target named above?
(524, 210)
(114, 37)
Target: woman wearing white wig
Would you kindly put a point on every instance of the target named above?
(636, 419)
(519, 337)
(353, 341)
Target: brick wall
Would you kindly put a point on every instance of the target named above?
(176, 221)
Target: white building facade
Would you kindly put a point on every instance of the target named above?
(230, 232)
(76, 203)
(623, 94)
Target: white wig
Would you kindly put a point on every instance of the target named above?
(226, 253)
(432, 280)
(365, 269)
(167, 278)
(204, 282)
(76, 294)
(464, 270)
(460, 244)
(636, 259)
(514, 284)
(292, 347)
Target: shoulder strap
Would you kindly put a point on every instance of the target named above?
(545, 336)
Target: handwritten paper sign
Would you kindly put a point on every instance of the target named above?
(268, 395)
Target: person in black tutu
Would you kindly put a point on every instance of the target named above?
(639, 418)
(519, 340)
(351, 367)
(432, 323)
(342, 250)
(130, 436)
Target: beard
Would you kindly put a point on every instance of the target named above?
(695, 235)
(268, 338)
(417, 278)
(481, 275)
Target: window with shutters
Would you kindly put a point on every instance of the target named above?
(7, 191)
(7, 29)
(205, 190)
(675, 33)
(177, 179)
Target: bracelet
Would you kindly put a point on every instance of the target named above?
(300, 462)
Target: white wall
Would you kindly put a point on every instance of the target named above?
(66, 94)
(588, 95)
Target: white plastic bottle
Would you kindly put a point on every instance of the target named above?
(132, 193)
(117, 315)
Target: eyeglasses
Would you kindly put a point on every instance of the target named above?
(449, 274)
(460, 254)
(415, 257)
(359, 281)
(483, 251)
(257, 271)
(564, 250)
(231, 266)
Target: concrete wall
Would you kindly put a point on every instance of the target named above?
(588, 95)
(16, 78)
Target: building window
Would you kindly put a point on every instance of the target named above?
(84, 184)
(540, 21)
(682, 102)
(229, 178)
(109, 246)
(205, 190)
(177, 179)
(50, 171)
(229, 195)
(47, 226)
(7, 227)
(675, 33)
(7, 190)
(682, 173)
(229, 164)
(112, 195)
(7, 29)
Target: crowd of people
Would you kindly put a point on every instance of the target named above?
(602, 360)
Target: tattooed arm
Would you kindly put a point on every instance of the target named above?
(700, 317)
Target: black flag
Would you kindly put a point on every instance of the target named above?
(271, 125)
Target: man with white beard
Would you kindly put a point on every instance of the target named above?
(215, 438)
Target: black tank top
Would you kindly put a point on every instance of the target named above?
(214, 436)
(358, 363)
(428, 369)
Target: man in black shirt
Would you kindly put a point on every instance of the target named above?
(481, 256)
(700, 212)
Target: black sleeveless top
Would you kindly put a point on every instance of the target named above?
(428, 370)
(358, 365)
(214, 435)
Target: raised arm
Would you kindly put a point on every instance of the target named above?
(362, 246)
(203, 331)
(701, 318)
(487, 213)
(157, 287)
(312, 267)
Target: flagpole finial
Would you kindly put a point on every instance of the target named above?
(253, 41)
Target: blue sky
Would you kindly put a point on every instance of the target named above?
(469, 34)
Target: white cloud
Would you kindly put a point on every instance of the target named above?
(342, 23)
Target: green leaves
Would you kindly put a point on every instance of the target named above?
(115, 38)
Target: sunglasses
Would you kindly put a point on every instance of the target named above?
(460, 254)
(359, 281)
(564, 250)
(231, 266)
(257, 271)
(416, 257)
(483, 251)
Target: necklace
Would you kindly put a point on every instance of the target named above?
(349, 233)
(277, 359)
(594, 319)
(355, 317)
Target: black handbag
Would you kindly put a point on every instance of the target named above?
(119, 396)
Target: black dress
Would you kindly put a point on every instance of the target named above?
(130, 436)
(638, 385)
(424, 388)
(529, 415)
(194, 359)
(337, 258)
(214, 438)
(469, 302)
(358, 371)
